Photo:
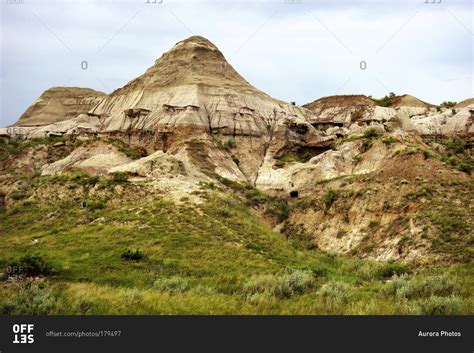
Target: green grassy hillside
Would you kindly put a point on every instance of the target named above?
(217, 257)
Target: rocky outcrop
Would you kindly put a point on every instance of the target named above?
(96, 158)
(191, 92)
(447, 123)
(345, 115)
(157, 165)
(344, 160)
(59, 104)
(341, 110)
(83, 124)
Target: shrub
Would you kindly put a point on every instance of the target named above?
(278, 208)
(395, 284)
(96, 204)
(269, 284)
(119, 177)
(202, 290)
(449, 221)
(32, 265)
(129, 255)
(229, 144)
(366, 145)
(464, 167)
(32, 299)
(391, 269)
(413, 149)
(274, 206)
(129, 151)
(173, 284)
(329, 198)
(438, 306)
(415, 194)
(453, 161)
(427, 154)
(371, 133)
(306, 156)
(84, 179)
(223, 212)
(258, 299)
(406, 288)
(280, 286)
(386, 101)
(388, 140)
(300, 281)
(20, 194)
(210, 185)
(235, 160)
(454, 145)
(337, 292)
(425, 287)
(448, 104)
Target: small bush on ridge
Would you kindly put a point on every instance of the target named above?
(136, 255)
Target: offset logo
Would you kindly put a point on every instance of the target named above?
(23, 333)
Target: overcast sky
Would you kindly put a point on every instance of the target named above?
(294, 50)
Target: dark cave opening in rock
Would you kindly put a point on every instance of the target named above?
(294, 194)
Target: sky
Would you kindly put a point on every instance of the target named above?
(294, 50)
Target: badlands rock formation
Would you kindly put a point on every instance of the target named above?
(59, 104)
(192, 92)
(198, 122)
(193, 103)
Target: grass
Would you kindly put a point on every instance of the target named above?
(174, 284)
(131, 152)
(118, 178)
(31, 299)
(297, 156)
(197, 263)
(254, 198)
(329, 198)
(457, 154)
(280, 286)
(14, 147)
